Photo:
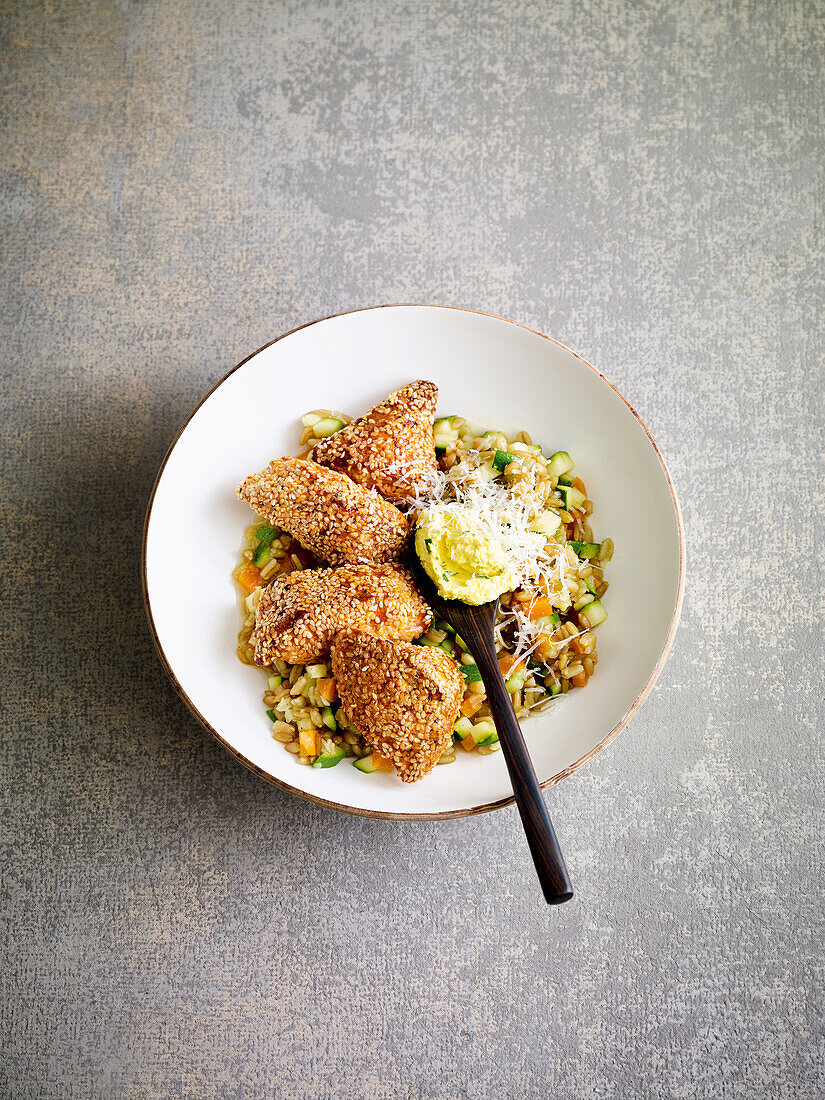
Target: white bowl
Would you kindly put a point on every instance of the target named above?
(494, 372)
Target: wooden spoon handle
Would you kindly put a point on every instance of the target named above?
(544, 847)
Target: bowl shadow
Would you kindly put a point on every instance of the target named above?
(85, 486)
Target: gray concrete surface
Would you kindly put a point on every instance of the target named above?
(180, 183)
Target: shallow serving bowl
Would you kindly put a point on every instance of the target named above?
(493, 372)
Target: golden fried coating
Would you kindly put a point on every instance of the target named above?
(382, 449)
(403, 698)
(300, 613)
(326, 511)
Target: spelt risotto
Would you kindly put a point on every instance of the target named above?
(547, 622)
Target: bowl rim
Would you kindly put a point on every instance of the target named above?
(470, 811)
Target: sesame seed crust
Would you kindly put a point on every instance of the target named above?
(381, 448)
(326, 511)
(403, 698)
(299, 614)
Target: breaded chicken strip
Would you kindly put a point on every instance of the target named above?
(326, 511)
(403, 698)
(300, 613)
(382, 448)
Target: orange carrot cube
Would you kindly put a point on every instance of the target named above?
(249, 577)
(308, 741)
(471, 704)
(381, 763)
(326, 689)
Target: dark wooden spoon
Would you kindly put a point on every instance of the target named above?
(475, 626)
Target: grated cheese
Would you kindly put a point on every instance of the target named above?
(540, 564)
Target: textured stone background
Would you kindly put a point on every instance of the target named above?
(180, 183)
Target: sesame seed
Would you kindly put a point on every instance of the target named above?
(327, 512)
(389, 446)
(299, 613)
(403, 698)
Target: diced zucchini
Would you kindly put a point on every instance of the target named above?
(490, 739)
(328, 426)
(265, 533)
(502, 459)
(547, 623)
(447, 646)
(471, 673)
(486, 472)
(441, 625)
(559, 463)
(547, 522)
(484, 733)
(554, 688)
(444, 433)
(594, 614)
(591, 587)
(262, 554)
(515, 682)
(365, 765)
(463, 728)
(571, 497)
(586, 550)
(275, 682)
(330, 759)
(316, 672)
(272, 716)
(584, 600)
(565, 480)
(329, 719)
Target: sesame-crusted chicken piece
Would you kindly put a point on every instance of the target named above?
(403, 698)
(326, 511)
(386, 447)
(300, 613)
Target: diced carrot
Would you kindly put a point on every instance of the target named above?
(510, 664)
(467, 743)
(382, 763)
(579, 484)
(540, 607)
(308, 741)
(506, 663)
(542, 650)
(326, 689)
(471, 704)
(249, 578)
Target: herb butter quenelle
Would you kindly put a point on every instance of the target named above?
(463, 554)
